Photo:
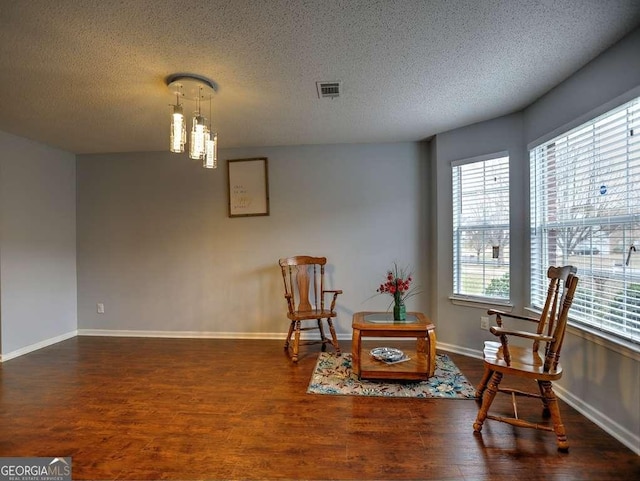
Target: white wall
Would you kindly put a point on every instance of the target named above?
(37, 245)
(156, 246)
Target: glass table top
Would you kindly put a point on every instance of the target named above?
(387, 317)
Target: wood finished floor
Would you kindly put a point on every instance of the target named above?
(143, 409)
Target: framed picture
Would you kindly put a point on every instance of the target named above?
(248, 187)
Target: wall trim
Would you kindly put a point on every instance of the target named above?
(465, 351)
(178, 334)
(38, 345)
(195, 334)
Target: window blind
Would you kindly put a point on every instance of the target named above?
(585, 211)
(481, 228)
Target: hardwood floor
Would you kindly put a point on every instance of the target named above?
(142, 409)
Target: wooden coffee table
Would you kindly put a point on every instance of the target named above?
(422, 364)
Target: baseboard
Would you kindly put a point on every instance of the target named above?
(459, 350)
(160, 334)
(38, 345)
(179, 334)
(195, 334)
(607, 424)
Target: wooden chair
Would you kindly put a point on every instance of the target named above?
(500, 358)
(303, 278)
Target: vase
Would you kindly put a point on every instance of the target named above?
(399, 310)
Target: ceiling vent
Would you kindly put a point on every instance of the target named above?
(328, 90)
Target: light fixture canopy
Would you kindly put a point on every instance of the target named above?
(203, 141)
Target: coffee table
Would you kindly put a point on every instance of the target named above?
(422, 361)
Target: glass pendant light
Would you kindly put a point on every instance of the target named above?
(196, 149)
(178, 130)
(203, 142)
(211, 158)
(199, 132)
(211, 145)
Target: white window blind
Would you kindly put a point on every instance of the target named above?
(585, 211)
(481, 228)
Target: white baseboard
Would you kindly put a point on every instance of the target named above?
(196, 334)
(459, 350)
(179, 334)
(38, 345)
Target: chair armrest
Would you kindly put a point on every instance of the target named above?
(512, 316)
(335, 296)
(499, 331)
(503, 333)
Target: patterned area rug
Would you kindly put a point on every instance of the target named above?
(333, 375)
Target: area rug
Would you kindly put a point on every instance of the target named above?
(333, 375)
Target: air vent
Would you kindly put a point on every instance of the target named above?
(328, 90)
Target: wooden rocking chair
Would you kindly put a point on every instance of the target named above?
(299, 273)
(501, 359)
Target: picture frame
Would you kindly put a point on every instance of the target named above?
(248, 187)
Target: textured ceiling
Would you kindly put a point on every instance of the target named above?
(88, 76)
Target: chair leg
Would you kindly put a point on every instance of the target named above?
(487, 399)
(288, 340)
(483, 383)
(296, 342)
(322, 336)
(545, 404)
(554, 409)
(334, 338)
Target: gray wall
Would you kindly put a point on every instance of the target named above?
(156, 246)
(37, 244)
(601, 380)
(609, 80)
(460, 325)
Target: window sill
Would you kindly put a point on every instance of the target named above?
(608, 341)
(481, 302)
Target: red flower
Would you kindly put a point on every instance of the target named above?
(397, 284)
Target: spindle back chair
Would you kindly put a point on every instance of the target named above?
(527, 362)
(304, 291)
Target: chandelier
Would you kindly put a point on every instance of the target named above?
(203, 141)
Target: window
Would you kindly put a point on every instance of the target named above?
(585, 211)
(481, 227)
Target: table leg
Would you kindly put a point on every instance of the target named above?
(431, 351)
(422, 348)
(356, 348)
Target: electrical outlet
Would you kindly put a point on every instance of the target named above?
(100, 307)
(484, 323)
